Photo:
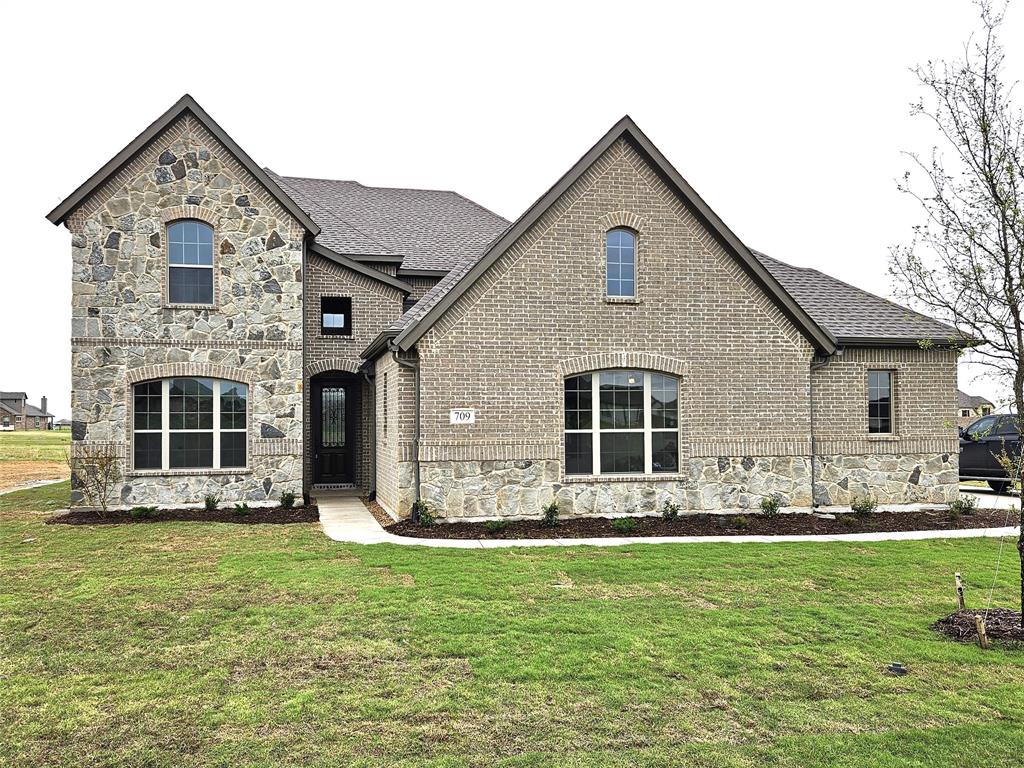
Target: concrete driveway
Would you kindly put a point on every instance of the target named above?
(989, 499)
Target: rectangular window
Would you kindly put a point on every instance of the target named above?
(187, 423)
(189, 263)
(335, 316)
(621, 422)
(384, 404)
(880, 402)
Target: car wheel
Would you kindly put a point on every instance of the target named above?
(999, 486)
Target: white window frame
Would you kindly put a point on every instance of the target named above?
(607, 264)
(165, 426)
(648, 430)
(212, 266)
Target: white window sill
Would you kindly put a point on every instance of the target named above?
(188, 472)
(659, 477)
(190, 306)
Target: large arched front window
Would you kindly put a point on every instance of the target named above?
(620, 263)
(190, 263)
(621, 422)
(189, 423)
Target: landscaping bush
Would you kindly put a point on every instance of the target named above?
(496, 526)
(421, 514)
(963, 505)
(142, 513)
(864, 505)
(848, 520)
(770, 505)
(287, 500)
(669, 510)
(211, 502)
(624, 524)
(242, 509)
(741, 522)
(551, 514)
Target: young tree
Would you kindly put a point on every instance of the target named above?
(965, 263)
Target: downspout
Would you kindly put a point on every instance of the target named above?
(372, 490)
(415, 367)
(814, 440)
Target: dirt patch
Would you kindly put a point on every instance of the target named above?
(1000, 624)
(13, 473)
(714, 525)
(378, 512)
(256, 516)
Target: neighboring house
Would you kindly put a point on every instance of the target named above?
(243, 333)
(16, 413)
(970, 407)
(62, 424)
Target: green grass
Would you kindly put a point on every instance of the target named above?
(42, 445)
(172, 644)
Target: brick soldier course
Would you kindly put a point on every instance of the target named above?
(455, 309)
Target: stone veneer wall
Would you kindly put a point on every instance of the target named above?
(124, 331)
(540, 314)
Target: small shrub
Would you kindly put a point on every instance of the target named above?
(550, 519)
(287, 500)
(496, 526)
(963, 505)
(669, 510)
(624, 525)
(741, 522)
(864, 505)
(142, 513)
(242, 509)
(848, 520)
(211, 502)
(770, 505)
(421, 514)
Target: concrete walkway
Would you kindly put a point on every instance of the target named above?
(32, 484)
(346, 518)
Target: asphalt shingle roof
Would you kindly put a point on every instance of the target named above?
(850, 313)
(970, 401)
(430, 229)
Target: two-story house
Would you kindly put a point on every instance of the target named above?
(244, 333)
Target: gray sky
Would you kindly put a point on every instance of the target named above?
(788, 118)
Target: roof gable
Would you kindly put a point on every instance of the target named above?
(186, 104)
(422, 317)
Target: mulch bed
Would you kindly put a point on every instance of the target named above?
(1000, 624)
(256, 516)
(716, 525)
(378, 512)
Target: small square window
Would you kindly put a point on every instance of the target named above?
(335, 316)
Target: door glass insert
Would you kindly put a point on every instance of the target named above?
(332, 407)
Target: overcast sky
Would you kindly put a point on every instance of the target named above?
(788, 118)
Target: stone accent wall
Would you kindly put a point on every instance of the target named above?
(540, 313)
(375, 305)
(123, 329)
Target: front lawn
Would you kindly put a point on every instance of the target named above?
(185, 644)
(34, 445)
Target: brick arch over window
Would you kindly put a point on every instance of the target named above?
(626, 219)
(174, 213)
(605, 360)
(199, 370)
(332, 364)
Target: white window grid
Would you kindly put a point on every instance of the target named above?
(648, 430)
(165, 422)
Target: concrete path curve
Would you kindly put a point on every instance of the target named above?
(346, 518)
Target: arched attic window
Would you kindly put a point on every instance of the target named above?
(620, 263)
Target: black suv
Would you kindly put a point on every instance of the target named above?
(980, 446)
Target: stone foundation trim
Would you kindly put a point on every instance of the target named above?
(601, 361)
(333, 364)
(239, 344)
(190, 369)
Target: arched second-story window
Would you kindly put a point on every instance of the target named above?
(621, 422)
(190, 276)
(620, 263)
(189, 423)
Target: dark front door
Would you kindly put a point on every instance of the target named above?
(333, 430)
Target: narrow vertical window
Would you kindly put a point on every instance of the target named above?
(880, 402)
(190, 263)
(620, 263)
(384, 404)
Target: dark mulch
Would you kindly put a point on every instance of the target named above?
(1000, 624)
(256, 516)
(715, 525)
(378, 512)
